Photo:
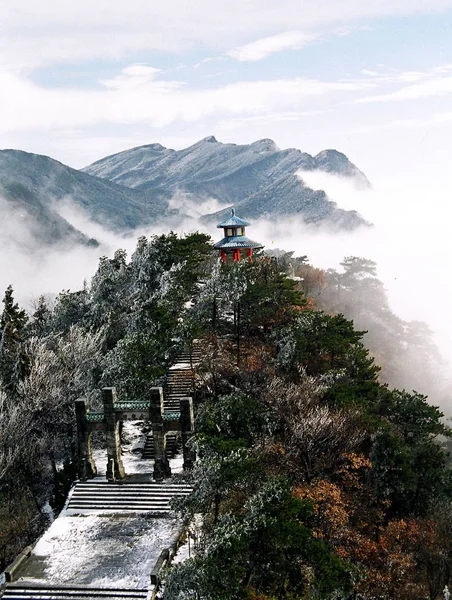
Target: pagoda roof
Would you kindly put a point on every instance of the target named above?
(233, 221)
(237, 241)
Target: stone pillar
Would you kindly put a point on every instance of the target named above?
(187, 425)
(115, 468)
(86, 465)
(161, 465)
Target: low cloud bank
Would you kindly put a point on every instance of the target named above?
(410, 242)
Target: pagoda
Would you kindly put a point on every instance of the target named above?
(235, 240)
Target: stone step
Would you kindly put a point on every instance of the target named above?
(171, 447)
(182, 373)
(176, 372)
(125, 497)
(42, 592)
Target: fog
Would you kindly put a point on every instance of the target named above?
(409, 241)
(33, 269)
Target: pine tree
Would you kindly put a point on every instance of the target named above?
(41, 317)
(14, 361)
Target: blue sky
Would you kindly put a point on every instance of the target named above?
(83, 80)
(78, 83)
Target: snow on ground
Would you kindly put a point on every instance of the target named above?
(106, 550)
(132, 447)
(180, 365)
(100, 550)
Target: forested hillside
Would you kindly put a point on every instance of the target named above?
(314, 479)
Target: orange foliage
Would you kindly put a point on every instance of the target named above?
(348, 517)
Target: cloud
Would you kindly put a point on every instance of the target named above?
(134, 76)
(422, 84)
(410, 242)
(34, 269)
(138, 95)
(54, 32)
(290, 40)
(411, 246)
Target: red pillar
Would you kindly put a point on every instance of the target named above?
(249, 252)
(236, 255)
(223, 256)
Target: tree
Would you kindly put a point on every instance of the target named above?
(71, 308)
(40, 322)
(311, 437)
(133, 365)
(14, 361)
(267, 548)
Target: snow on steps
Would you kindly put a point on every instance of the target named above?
(17, 591)
(124, 497)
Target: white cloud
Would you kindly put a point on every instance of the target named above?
(132, 77)
(411, 243)
(54, 32)
(289, 40)
(435, 82)
(435, 119)
(136, 95)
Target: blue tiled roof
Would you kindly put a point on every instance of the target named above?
(234, 221)
(238, 241)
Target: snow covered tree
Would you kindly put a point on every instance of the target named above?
(14, 360)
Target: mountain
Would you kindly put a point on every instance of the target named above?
(36, 187)
(151, 184)
(258, 178)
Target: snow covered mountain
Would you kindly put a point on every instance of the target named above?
(258, 179)
(35, 187)
(152, 184)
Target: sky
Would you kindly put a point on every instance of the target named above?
(83, 80)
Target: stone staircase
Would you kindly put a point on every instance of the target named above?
(172, 447)
(178, 384)
(179, 381)
(17, 591)
(100, 495)
(107, 499)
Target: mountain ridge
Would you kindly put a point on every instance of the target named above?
(38, 186)
(256, 178)
(152, 184)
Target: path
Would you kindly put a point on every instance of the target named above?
(110, 536)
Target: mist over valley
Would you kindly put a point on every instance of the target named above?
(60, 221)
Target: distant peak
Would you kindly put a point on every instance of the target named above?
(155, 146)
(265, 144)
(210, 139)
(333, 161)
(330, 153)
